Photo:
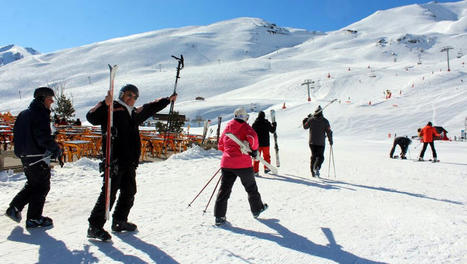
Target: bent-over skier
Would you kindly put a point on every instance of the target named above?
(403, 143)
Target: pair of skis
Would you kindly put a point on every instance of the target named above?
(244, 148)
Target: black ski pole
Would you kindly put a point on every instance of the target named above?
(213, 191)
(189, 205)
(170, 119)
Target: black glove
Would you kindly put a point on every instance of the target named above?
(57, 153)
(253, 153)
(274, 124)
(331, 142)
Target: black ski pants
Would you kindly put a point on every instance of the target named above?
(404, 148)
(34, 191)
(317, 157)
(125, 181)
(228, 179)
(432, 146)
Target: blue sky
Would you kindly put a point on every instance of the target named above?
(50, 25)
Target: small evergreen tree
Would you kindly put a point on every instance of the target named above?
(64, 107)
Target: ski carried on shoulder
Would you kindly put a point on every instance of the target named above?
(328, 104)
(244, 148)
(108, 143)
(276, 146)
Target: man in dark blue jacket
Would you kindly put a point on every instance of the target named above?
(34, 145)
(126, 150)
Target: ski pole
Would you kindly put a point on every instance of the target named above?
(170, 118)
(333, 163)
(329, 166)
(189, 205)
(213, 191)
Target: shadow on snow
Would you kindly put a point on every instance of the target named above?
(330, 184)
(294, 241)
(50, 249)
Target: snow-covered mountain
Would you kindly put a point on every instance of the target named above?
(11, 53)
(257, 64)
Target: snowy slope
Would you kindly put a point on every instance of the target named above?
(375, 211)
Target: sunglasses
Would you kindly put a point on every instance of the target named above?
(131, 95)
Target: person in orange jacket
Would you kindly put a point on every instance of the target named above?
(427, 134)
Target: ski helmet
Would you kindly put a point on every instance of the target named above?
(128, 87)
(42, 92)
(240, 113)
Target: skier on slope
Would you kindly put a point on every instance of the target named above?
(319, 127)
(33, 143)
(403, 143)
(126, 150)
(235, 163)
(427, 134)
(263, 127)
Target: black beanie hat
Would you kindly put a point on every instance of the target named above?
(42, 92)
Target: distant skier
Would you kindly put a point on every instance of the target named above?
(35, 145)
(126, 150)
(427, 134)
(319, 127)
(235, 163)
(263, 127)
(403, 143)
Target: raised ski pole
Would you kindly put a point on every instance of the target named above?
(108, 143)
(170, 119)
(213, 191)
(189, 205)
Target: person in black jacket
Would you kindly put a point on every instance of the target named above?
(263, 127)
(126, 149)
(403, 143)
(319, 128)
(34, 145)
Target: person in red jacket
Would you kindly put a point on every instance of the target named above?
(236, 163)
(427, 134)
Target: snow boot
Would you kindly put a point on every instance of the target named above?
(119, 226)
(98, 233)
(13, 213)
(220, 220)
(42, 221)
(420, 159)
(256, 214)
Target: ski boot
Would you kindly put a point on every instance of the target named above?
(119, 226)
(220, 220)
(42, 221)
(98, 233)
(13, 213)
(256, 214)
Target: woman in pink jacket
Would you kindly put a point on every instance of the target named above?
(235, 163)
